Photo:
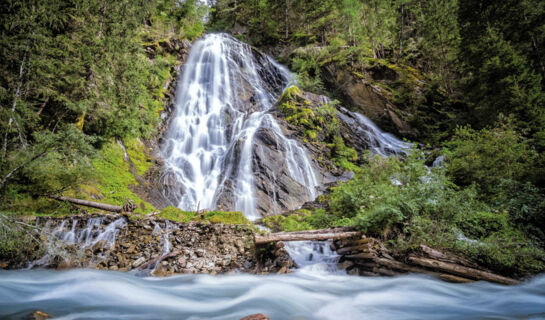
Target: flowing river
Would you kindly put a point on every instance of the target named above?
(86, 294)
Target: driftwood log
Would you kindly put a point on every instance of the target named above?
(313, 235)
(127, 207)
(461, 270)
(369, 257)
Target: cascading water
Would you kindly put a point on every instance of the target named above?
(222, 100)
(73, 232)
(378, 141)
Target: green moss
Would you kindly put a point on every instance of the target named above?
(225, 217)
(176, 214)
(138, 154)
(113, 178)
(301, 219)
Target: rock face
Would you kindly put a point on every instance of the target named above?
(156, 246)
(151, 186)
(368, 99)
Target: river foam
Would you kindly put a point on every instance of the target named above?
(91, 294)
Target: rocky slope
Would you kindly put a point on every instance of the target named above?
(153, 245)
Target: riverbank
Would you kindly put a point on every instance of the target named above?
(162, 247)
(150, 245)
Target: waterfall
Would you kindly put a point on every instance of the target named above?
(96, 233)
(378, 141)
(313, 256)
(222, 100)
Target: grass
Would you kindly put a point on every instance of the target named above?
(224, 217)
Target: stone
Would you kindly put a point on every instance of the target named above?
(257, 316)
(138, 262)
(40, 315)
(200, 252)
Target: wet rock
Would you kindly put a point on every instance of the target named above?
(138, 262)
(257, 316)
(39, 315)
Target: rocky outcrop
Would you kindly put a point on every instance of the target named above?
(367, 98)
(151, 186)
(157, 246)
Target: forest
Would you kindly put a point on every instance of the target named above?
(467, 78)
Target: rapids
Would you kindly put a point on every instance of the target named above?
(86, 294)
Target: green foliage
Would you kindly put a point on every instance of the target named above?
(176, 214)
(481, 224)
(224, 217)
(18, 242)
(409, 205)
(503, 57)
(319, 122)
(490, 158)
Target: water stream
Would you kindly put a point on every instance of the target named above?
(87, 294)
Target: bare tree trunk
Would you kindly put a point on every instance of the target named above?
(287, 17)
(325, 234)
(7, 176)
(461, 270)
(401, 32)
(92, 204)
(14, 104)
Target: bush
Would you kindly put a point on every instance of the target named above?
(490, 158)
(408, 204)
(481, 224)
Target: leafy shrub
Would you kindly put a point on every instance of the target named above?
(490, 158)
(481, 224)
(408, 204)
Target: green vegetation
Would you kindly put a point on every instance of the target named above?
(405, 204)
(176, 214)
(467, 75)
(75, 78)
(18, 241)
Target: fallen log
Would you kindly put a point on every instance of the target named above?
(314, 235)
(441, 256)
(461, 270)
(97, 205)
(360, 256)
(361, 248)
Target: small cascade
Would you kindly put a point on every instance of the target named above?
(68, 241)
(222, 103)
(165, 234)
(378, 141)
(314, 256)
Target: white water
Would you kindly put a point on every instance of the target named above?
(95, 232)
(91, 294)
(221, 102)
(313, 256)
(378, 141)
